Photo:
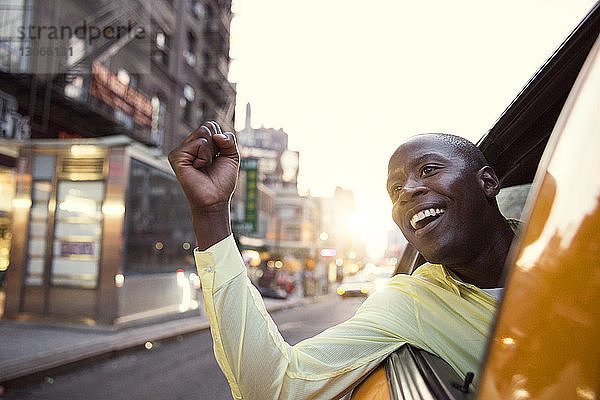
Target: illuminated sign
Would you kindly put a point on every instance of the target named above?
(110, 90)
(328, 253)
(250, 165)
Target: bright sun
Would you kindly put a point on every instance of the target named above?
(360, 225)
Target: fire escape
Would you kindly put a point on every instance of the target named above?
(214, 78)
(43, 97)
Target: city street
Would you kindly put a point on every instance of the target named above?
(184, 368)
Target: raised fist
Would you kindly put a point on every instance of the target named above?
(206, 164)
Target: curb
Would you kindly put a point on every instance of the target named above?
(15, 374)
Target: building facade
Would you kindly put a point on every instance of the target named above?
(111, 87)
(288, 224)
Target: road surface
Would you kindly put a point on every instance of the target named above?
(184, 368)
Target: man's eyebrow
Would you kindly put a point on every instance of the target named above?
(427, 157)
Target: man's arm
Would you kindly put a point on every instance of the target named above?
(206, 165)
(256, 360)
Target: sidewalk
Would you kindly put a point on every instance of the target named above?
(28, 348)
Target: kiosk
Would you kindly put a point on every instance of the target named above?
(101, 234)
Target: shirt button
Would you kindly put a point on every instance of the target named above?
(209, 268)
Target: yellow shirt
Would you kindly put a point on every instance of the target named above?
(429, 309)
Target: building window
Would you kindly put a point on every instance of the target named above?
(207, 57)
(189, 53)
(163, 45)
(209, 17)
(188, 99)
(126, 78)
(124, 119)
(12, 17)
(123, 76)
(197, 9)
(155, 242)
(161, 40)
(77, 234)
(75, 89)
(157, 131)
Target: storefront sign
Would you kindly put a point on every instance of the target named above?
(109, 89)
(76, 249)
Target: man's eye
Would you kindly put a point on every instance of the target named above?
(428, 169)
(395, 192)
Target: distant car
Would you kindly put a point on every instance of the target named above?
(273, 293)
(545, 339)
(355, 287)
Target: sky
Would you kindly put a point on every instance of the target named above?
(350, 80)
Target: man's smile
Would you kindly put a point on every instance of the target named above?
(424, 217)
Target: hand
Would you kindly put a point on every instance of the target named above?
(206, 165)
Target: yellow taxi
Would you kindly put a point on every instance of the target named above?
(545, 148)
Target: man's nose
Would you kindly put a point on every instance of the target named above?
(411, 189)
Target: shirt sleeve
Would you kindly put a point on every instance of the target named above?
(259, 364)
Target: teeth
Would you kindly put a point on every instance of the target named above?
(423, 214)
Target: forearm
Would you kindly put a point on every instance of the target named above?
(255, 358)
(211, 225)
(206, 165)
(265, 367)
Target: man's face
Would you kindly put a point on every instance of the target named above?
(438, 201)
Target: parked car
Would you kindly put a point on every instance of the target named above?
(273, 293)
(544, 343)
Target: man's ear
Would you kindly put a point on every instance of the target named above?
(489, 181)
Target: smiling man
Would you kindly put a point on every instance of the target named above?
(443, 196)
(444, 202)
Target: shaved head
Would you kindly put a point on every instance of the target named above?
(463, 147)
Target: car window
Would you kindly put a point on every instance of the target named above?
(511, 200)
(354, 278)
